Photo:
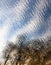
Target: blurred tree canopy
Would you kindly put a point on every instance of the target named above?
(32, 52)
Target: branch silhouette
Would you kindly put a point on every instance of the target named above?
(32, 52)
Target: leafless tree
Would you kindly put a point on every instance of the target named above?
(32, 52)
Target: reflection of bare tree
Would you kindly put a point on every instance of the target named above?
(10, 51)
(34, 52)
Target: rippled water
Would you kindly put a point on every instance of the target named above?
(29, 17)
